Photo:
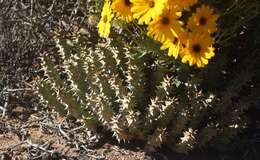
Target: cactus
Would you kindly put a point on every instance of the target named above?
(142, 94)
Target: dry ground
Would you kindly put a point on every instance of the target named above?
(44, 134)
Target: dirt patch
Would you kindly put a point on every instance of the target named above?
(45, 134)
(8, 139)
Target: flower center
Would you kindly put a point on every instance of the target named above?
(127, 2)
(151, 4)
(175, 40)
(165, 21)
(105, 18)
(202, 21)
(196, 48)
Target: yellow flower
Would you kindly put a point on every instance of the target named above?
(166, 26)
(104, 24)
(145, 10)
(198, 49)
(174, 47)
(203, 20)
(181, 4)
(123, 9)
